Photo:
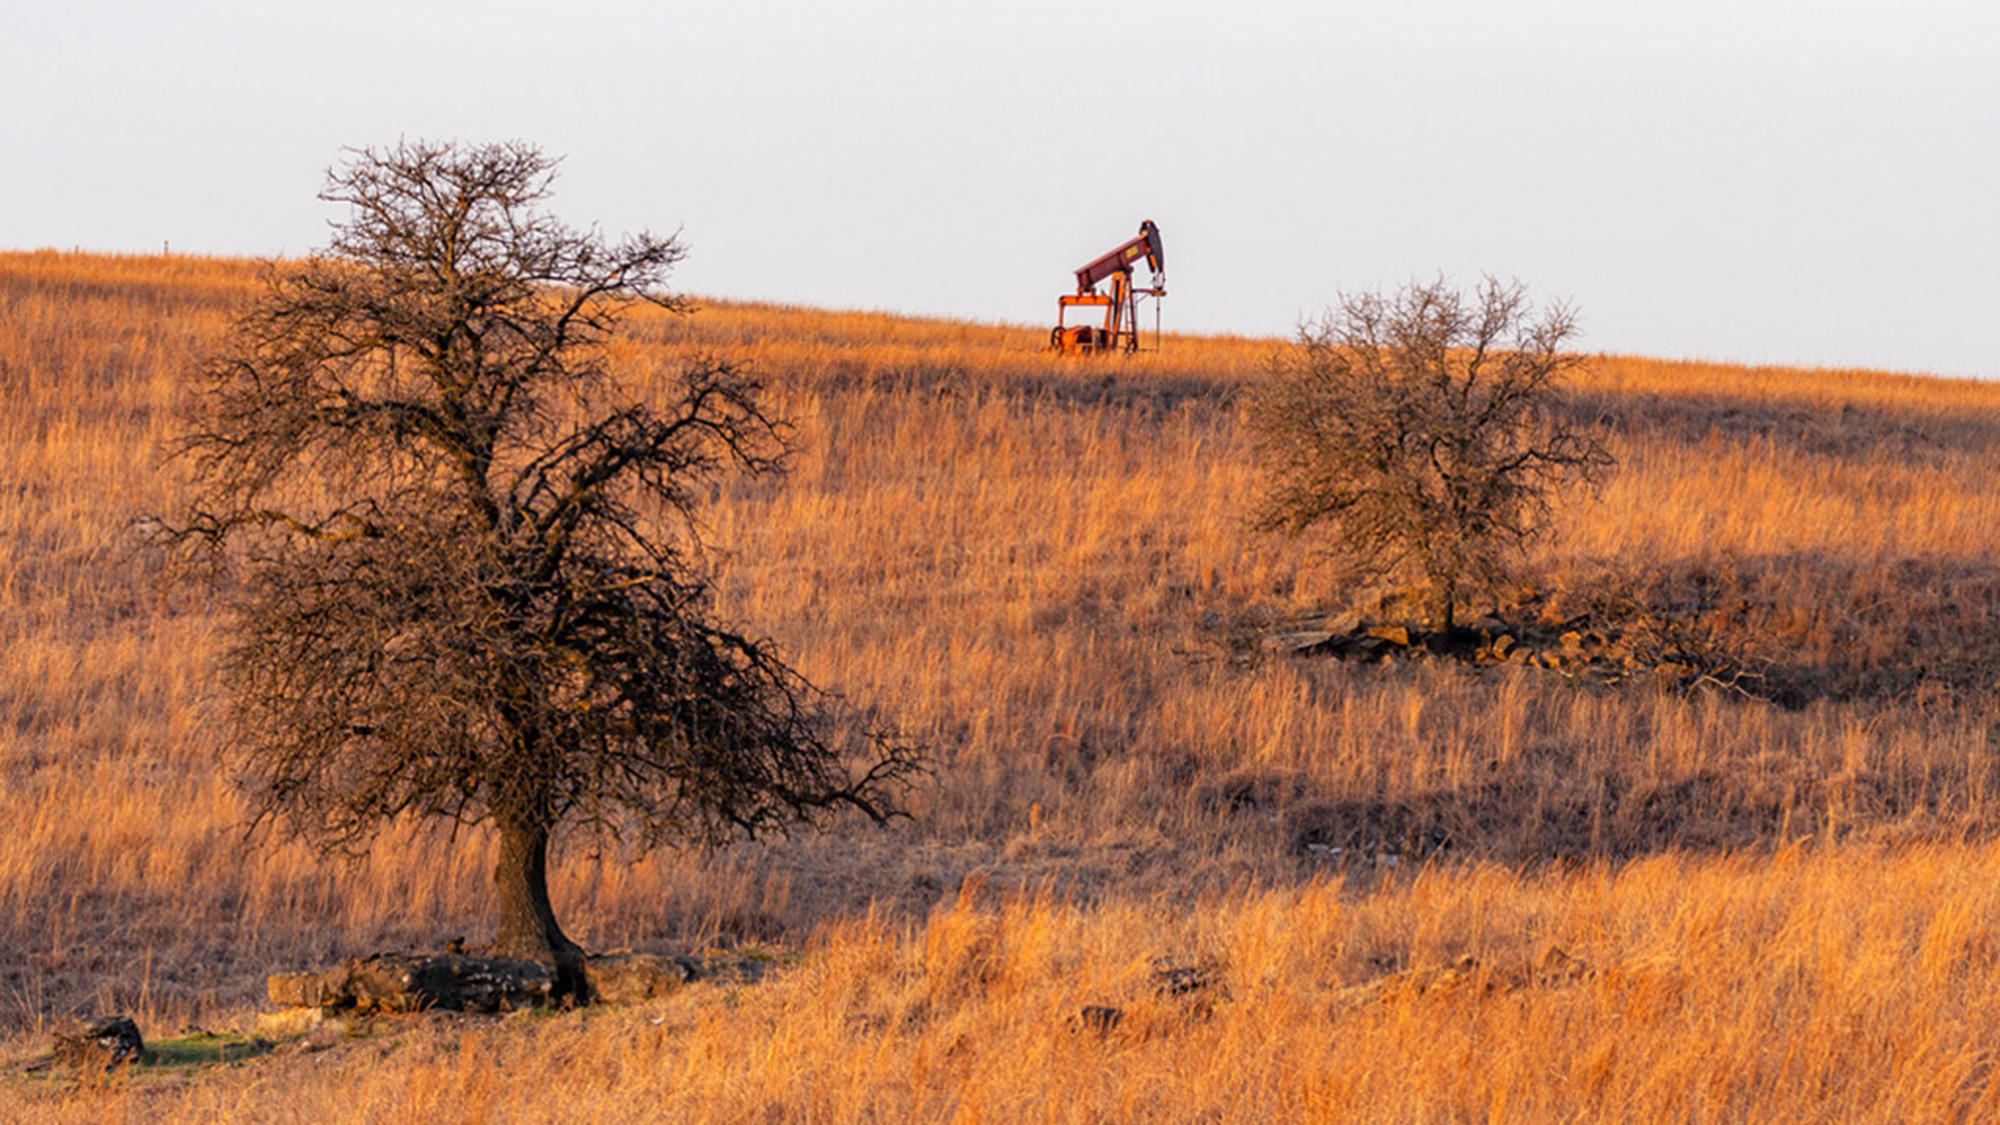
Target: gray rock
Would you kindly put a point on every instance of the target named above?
(98, 1044)
(397, 982)
(1298, 640)
(630, 978)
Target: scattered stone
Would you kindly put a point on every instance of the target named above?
(1305, 640)
(1100, 1018)
(1346, 622)
(1410, 982)
(1394, 634)
(630, 978)
(304, 990)
(98, 1044)
(1554, 969)
(320, 1038)
(1182, 980)
(291, 1023)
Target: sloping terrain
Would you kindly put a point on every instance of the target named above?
(1775, 885)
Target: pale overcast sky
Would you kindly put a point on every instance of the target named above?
(1763, 181)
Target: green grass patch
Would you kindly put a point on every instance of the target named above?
(189, 1053)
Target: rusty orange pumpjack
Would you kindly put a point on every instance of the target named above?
(1120, 330)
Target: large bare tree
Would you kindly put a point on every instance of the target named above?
(1416, 431)
(463, 554)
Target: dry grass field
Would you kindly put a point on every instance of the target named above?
(1771, 894)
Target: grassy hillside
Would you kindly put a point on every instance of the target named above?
(1768, 894)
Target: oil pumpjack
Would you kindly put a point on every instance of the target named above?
(1120, 330)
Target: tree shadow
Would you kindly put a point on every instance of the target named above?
(1621, 819)
(1800, 627)
(1915, 435)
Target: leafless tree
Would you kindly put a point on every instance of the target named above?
(1415, 430)
(465, 564)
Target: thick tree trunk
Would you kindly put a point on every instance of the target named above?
(528, 927)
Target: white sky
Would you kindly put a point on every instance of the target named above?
(1760, 180)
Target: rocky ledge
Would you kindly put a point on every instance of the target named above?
(405, 982)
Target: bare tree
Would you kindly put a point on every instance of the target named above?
(1415, 429)
(465, 564)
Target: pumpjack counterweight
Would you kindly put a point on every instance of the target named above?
(1120, 328)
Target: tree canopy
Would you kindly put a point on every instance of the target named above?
(462, 550)
(1416, 433)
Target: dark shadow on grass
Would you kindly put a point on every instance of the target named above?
(1616, 819)
(1860, 431)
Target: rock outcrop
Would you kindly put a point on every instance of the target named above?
(98, 1044)
(399, 982)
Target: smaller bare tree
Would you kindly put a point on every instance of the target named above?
(1416, 429)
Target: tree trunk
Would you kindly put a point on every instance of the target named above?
(528, 927)
(1447, 600)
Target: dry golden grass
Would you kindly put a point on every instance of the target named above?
(1802, 985)
(1787, 912)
